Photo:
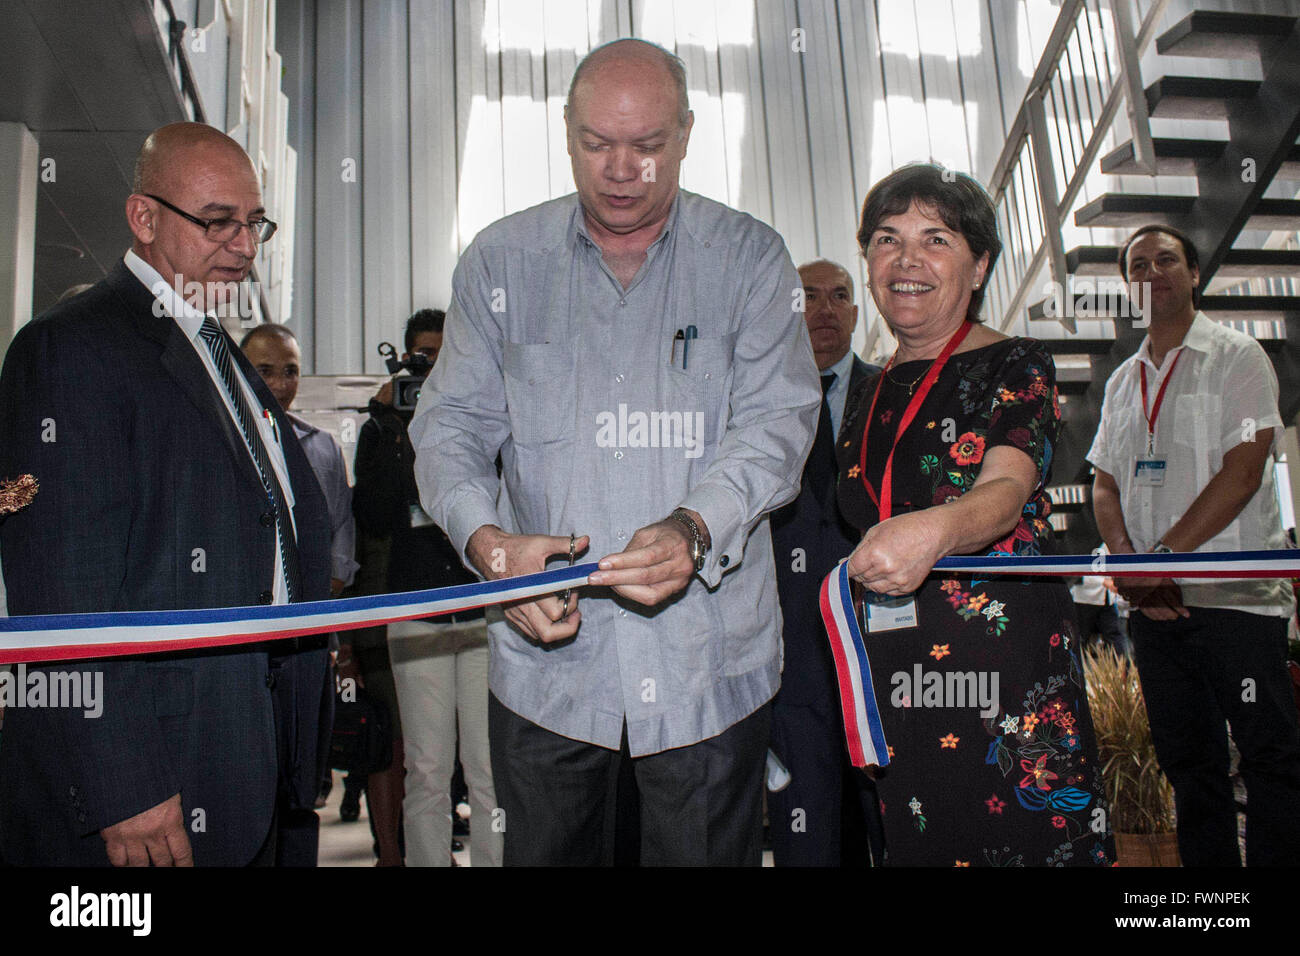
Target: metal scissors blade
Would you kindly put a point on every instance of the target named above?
(573, 553)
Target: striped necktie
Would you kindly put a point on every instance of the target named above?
(215, 340)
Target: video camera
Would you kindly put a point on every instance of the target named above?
(406, 388)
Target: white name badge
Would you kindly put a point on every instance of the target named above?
(419, 517)
(1150, 472)
(886, 613)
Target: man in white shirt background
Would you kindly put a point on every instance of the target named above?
(1184, 460)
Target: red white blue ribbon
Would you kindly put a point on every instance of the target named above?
(863, 731)
(77, 636)
(49, 637)
(1222, 565)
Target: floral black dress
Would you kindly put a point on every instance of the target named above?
(968, 786)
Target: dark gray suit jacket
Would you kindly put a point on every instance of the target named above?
(812, 524)
(140, 466)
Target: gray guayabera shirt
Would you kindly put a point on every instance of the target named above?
(604, 427)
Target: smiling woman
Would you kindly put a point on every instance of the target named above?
(948, 451)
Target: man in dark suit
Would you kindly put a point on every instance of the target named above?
(169, 479)
(828, 814)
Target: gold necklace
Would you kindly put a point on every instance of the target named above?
(911, 386)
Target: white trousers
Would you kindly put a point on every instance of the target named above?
(440, 671)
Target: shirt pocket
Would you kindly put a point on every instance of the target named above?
(1197, 427)
(541, 390)
(704, 385)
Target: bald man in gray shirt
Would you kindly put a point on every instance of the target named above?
(637, 355)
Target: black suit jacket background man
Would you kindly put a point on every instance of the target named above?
(145, 467)
(828, 815)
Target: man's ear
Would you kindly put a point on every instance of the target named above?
(141, 217)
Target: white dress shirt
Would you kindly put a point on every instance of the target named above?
(1221, 392)
(190, 321)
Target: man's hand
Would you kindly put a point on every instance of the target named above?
(1160, 599)
(385, 394)
(895, 556)
(499, 555)
(155, 836)
(654, 566)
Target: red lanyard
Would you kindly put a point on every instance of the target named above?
(884, 501)
(1160, 399)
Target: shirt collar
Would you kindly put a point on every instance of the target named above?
(578, 225)
(1199, 336)
(842, 369)
(187, 317)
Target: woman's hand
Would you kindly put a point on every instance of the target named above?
(895, 556)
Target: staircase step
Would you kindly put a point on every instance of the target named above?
(1073, 345)
(1182, 157)
(1258, 308)
(1174, 157)
(1230, 36)
(1239, 264)
(1197, 97)
(1237, 308)
(1129, 211)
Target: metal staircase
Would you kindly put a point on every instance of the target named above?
(1041, 177)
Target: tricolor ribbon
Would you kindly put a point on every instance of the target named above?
(48, 637)
(863, 731)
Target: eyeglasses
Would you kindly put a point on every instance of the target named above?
(224, 230)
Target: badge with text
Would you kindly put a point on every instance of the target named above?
(888, 612)
(419, 517)
(1149, 472)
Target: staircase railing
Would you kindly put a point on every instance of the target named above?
(1089, 66)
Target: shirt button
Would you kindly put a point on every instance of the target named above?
(708, 245)
(622, 612)
(622, 302)
(724, 560)
(618, 455)
(618, 379)
(265, 597)
(266, 519)
(622, 535)
(708, 375)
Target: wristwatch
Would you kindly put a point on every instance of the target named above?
(699, 548)
(1162, 548)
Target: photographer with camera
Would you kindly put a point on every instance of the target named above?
(438, 665)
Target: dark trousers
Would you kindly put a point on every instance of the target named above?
(1224, 667)
(699, 805)
(1105, 623)
(829, 815)
(297, 838)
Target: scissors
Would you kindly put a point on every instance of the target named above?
(573, 553)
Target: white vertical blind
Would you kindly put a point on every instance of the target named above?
(453, 112)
